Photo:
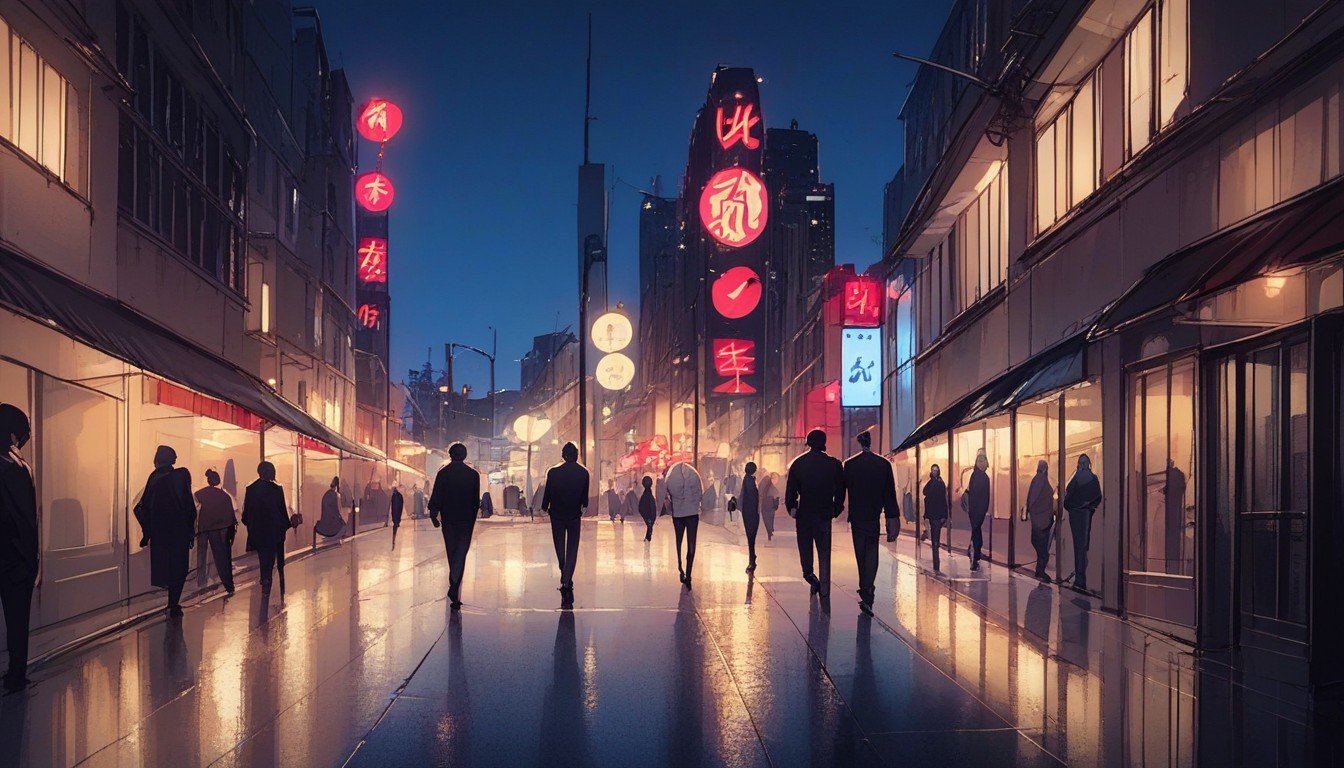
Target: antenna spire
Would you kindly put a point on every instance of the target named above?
(588, 90)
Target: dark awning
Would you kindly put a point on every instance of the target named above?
(1296, 232)
(1053, 368)
(116, 329)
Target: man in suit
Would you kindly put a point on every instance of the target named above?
(814, 494)
(564, 499)
(457, 498)
(267, 519)
(872, 492)
(18, 542)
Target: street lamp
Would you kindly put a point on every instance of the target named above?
(530, 429)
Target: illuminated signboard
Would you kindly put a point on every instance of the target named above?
(861, 367)
(615, 371)
(736, 293)
(734, 207)
(369, 316)
(372, 262)
(737, 126)
(374, 191)
(862, 303)
(734, 359)
(379, 120)
(612, 332)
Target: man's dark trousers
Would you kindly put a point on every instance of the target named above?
(18, 605)
(457, 542)
(565, 533)
(814, 530)
(866, 535)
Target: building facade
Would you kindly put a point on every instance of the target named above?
(1127, 247)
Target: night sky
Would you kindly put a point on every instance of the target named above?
(483, 228)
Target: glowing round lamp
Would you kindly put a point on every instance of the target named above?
(530, 428)
(374, 192)
(615, 371)
(379, 120)
(612, 332)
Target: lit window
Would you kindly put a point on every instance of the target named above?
(35, 97)
(1174, 66)
(1139, 85)
(981, 238)
(1067, 160)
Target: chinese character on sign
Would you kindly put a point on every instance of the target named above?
(369, 316)
(733, 359)
(733, 207)
(379, 120)
(374, 191)
(738, 127)
(861, 351)
(863, 303)
(372, 260)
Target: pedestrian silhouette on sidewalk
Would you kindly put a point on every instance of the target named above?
(1082, 496)
(19, 552)
(871, 487)
(976, 503)
(935, 510)
(769, 503)
(648, 507)
(750, 499)
(331, 524)
(167, 517)
(683, 494)
(613, 502)
(216, 524)
(1041, 513)
(565, 497)
(456, 498)
(398, 506)
(814, 494)
(267, 519)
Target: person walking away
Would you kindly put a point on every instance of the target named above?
(538, 496)
(1082, 496)
(976, 503)
(750, 500)
(1041, 512)
(331, 523)
(564, 498)
(648, 507)
(683, 494)
(769, 492)
(871, 487)
(216, 524)
(19, 552)
(266, 516)
(814, 494)
(487, 506)
(613, 501)
(398, 505)
(935, 510)
(456, 498)
(630, 503)
(167, 517)
(418, 500)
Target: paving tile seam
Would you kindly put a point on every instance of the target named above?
(723, 659)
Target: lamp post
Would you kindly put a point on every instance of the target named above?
(530, 428)
(452, 345)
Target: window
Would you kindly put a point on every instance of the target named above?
(1067, 157)
(1139, 85)
(933, 285)
(33, 102)
(1162, 470)
(981, 241)
(1174, 65)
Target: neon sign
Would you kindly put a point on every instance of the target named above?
(862, 303)
(374, 191)
(737, 292)
(733, 207)
(733, 359)
(369, 316)
(372, 254)
(379, 120)
(738, 127)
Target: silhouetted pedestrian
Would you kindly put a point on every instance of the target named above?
(487, 506)
(1041, 513)
(769, 503)
(683, 495)
(630, 504)
(648, 507)
(19, 552)
(976, 503)
(871, 487)
(418, 501)
(1082, 496)
(750, 500)
(331, 524)
(167, 517)
(814, 494)
(398, 506)
(216, 524)
(935, 510)
(710, 500)
(564, 499)
(456, 498)
(613, 502)
(267, 519)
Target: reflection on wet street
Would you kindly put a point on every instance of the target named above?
(364, 662)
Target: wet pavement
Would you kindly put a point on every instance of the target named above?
(364, 664)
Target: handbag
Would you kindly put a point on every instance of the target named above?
(732, 503)
(295, 520)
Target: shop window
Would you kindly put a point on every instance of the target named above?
(1037, 441)
(78, 467)
(1162, 469)
(36, 98)
(1080, 535)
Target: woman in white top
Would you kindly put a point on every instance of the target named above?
(682, 493)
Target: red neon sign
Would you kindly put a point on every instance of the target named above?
(379, 120)
(369, 316)
(372, 260)
(737, 292)
(737, 127)
(862, 303)
(733, 207)
(374, 191)
(734, 358)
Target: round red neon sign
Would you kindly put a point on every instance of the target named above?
(374, 191)
(379, 120)
(733, 207)
(737, 292)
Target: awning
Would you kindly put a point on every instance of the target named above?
(116, 329)
(1053, 368)
(1295, 232)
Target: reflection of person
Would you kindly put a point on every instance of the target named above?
(1041, 513)
(769, 503)
(398, 505)
(976, 503)
(1173, 497)
(564, 497)
(630, 504)
(648, 507)
(814, 494)
(682, 493)
(216, 525)
(935, 510)
(167, 517)
(750, 500)
(456, 498)
(613, 502)
(267, 521)
(1082, 496)
(19, 552)
(872, 493)
(331, 523)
